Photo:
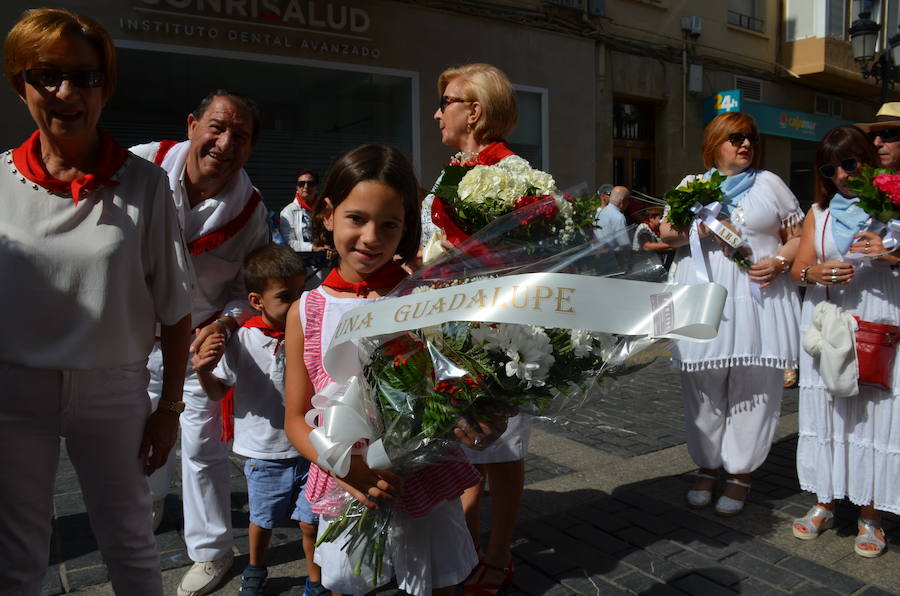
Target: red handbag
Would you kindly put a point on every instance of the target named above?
(876, 346)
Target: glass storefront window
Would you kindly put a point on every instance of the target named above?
(527, 139)
(310, 115)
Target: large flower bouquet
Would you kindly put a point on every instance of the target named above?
(498, 324)
(689, 202)
(468, 197)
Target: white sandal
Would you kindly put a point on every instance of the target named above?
(726, 506)
(869, 537)
(808, 522)
(698, 499)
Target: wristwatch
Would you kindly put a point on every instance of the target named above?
(172, 406)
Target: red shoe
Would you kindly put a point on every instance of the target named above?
(475, 584)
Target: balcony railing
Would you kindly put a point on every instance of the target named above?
(746, 21)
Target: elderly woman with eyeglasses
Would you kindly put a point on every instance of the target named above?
(732, 385)
(848, 447)
(91, 258)
(477, 112)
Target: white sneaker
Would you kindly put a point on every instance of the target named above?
(202, 578)
(159, 509)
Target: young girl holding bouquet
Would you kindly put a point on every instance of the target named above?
(369, 215)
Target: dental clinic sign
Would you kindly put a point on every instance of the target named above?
(772, 120)
(310, 26)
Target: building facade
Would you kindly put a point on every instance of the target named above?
(609, 90)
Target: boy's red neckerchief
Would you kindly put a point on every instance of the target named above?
(386, 277)
(257, 322)
(28, 160)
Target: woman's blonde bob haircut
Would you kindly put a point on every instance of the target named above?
(717, 132)
(40, 28)
(491, 88)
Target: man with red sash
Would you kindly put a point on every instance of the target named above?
(222, 220)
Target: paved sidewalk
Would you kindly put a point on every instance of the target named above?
(603, 513)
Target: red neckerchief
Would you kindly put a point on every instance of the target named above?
(28, 161)
(493, 153)
(386, 277)
(257, 322)
(303, 203)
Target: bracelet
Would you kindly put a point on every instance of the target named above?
(783, 261)
(171, 406)
(804, 274)
(225, 328)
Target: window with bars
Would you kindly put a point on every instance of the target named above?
(747, 14)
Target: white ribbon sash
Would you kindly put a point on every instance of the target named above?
(345, 412)
(562, 300)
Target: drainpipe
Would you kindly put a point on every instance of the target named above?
(684, 75)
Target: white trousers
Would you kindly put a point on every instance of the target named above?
(731, 415)
(205, 469)
(101, 414)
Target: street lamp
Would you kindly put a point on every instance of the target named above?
(863, 39)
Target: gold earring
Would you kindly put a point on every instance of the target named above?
(468, 127)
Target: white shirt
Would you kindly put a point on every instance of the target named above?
(296, 227)
(255, 370)
(218, 284)
(83, 285)
(611, 227)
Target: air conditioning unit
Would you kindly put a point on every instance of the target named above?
(751, 89)
(693, 25)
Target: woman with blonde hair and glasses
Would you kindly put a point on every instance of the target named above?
(733, 384)
(848, 447)
(476, 113)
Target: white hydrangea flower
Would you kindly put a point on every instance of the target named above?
(508, 181)
(480, 183)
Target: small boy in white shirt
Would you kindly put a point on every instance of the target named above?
(252, 363)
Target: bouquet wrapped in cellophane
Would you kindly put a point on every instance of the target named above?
(518, 317)
(699, 198)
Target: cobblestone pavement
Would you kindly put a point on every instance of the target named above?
(602, 513)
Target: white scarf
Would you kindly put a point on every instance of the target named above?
(230, 201)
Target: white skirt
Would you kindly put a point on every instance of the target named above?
(511, 446)
(849, 447)
(425, 553)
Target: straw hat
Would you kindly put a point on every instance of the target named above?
(887, 117)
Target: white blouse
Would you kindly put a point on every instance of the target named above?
(83, 285)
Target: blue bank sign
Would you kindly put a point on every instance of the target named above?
(771, 120)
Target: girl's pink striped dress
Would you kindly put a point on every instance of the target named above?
(319, 314)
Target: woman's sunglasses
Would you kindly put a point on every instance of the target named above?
(737, 138)
(52, 78)
(302, 183)
(446, 100)
(829, 170)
